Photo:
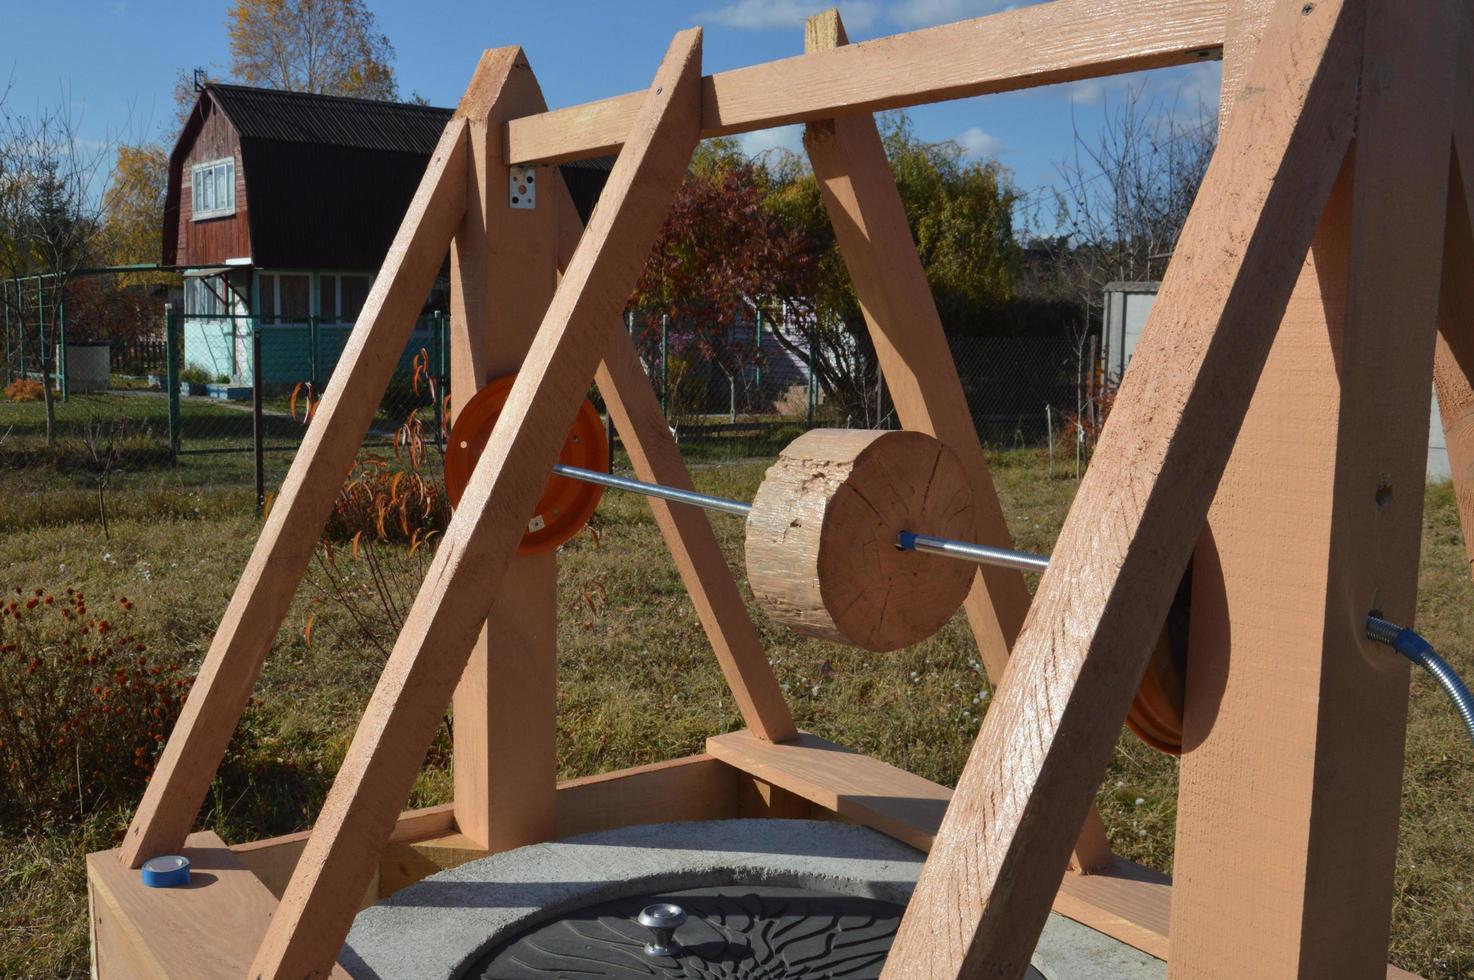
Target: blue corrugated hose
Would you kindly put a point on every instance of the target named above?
(1421, 652)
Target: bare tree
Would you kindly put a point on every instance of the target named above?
(51, 184)
(1124, 195)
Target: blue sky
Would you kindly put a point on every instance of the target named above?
(116, 60)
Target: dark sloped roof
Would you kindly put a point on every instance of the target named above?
(331, 120)
(328, 179)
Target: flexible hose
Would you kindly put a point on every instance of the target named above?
(1421, 652)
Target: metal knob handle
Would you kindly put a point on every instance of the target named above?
(662, 920)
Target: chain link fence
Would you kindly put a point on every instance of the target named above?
(223, 399)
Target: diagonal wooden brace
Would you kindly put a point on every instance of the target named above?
(477, 548)
(987, 886)
(266, 587)
(864, 206)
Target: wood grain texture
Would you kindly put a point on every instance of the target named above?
(687, 531)
(864, 207)
(1298, 759)
(821, 536)
(479, 542)
(206, 930)
(295, 523)
(503, 271)
(696, 787)
(854, 786)
(273, 859)
(1453, 365)
(1063, 41)
(984, 894)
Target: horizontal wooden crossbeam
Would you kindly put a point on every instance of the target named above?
(1067, 40)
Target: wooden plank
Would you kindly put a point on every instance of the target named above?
(502, 276)
(1298, 759)
(687, 531)
(696, 787)
(477, 547)
(864, 206)
(275, 858)
(292, 529)
(1067, 40)
(1045, 741)
(857, 787)
(207, 929)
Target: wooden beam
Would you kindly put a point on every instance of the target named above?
(503, 272)
(477, 547)
(1045, 742)
(1316, 524)
(864, 206)
(292, 529)
(1066, 40)
(687, 531)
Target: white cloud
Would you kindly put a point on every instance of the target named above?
(928, 13)
(1089, 91)
(979, 145)
(757, 143)
(858, 15)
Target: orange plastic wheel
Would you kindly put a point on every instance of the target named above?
(1156, 711)
(566, 505)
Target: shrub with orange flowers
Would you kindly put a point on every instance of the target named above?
(25, 390)
(84, 708)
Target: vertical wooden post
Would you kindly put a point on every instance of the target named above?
(864, 206)
(985, 891)
(503, 274)
(1315, 524)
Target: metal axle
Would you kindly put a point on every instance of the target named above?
(980, 554)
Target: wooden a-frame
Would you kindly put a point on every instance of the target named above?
(1277, 302)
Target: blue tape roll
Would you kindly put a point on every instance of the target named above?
(168, 871)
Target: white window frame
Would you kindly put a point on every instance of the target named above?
(208, 171)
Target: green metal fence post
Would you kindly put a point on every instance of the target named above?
(41, 331)
(258, 433)
(171, 373)
(61, 336)
(438, 366)
(312, 353)
(757, 355)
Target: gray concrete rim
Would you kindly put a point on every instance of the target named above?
(434, 929)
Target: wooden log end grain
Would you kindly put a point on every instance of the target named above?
(821, 537)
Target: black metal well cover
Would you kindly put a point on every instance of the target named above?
(732, 931)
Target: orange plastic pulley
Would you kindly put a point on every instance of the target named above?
(566, 505)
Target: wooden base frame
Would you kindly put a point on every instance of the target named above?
(1349, 141)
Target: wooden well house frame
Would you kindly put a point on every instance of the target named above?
(1272, 426)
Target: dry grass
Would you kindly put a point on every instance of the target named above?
(638, 684)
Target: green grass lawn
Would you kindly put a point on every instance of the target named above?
(637, 684)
